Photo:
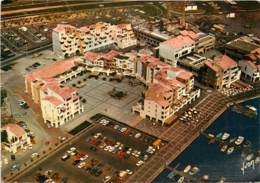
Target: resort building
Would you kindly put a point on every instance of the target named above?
(173, 49)
(220, 72)
(169, 89)
(250, 66)
(69, 40)
(59, 103)
(17, 138)
(111, 62)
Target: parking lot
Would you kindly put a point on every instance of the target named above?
(17, 41)
(109, 150)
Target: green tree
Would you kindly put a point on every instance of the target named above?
(4, 136)
(3, 95)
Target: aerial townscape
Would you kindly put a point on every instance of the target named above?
(130, 91)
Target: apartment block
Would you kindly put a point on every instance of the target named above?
(220, 72)
(69, 40)
(47, 87)
(173, 49)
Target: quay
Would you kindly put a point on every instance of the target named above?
(180, 135)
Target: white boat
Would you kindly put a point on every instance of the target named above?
(181, 180)
(194, 170)
(250, 156)
(239, 140)
(211, 135)
(251, 108)
(187, 169)
(225, 136)
(224, 148)
(230, 150)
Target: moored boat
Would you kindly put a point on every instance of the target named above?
(230, 150)
(225, 136)
(239, 140)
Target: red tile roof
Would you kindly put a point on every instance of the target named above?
(191, 34)
(157, 93)
(92, 56)
(225, 62)
(111, 54)
(53, 69)
(179, 42)
(213, 66)
(15, 129)
(54, 100)
(62, 27)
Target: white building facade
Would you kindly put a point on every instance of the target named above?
(69, 41)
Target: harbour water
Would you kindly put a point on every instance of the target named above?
(211, 161)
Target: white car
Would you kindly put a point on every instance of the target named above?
(106, 148)
(82, 164)
(116, 127)
(139, 163)
(138, 135)
(123, 129)
(34, 155)
(30, 146)
(129, 172)
(73, 149)
(83, 158)
(107, 178)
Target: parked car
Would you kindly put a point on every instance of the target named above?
(82, 164)
(138, 135)
(65, 157)
(34, 155)
(23, 104)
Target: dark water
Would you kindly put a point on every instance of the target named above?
(210, 160)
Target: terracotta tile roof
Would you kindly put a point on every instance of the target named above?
(92, 56)
(213, 66)
(15, 129)
(179, 42)
(111, 54)
(53, 69)
(54, 100)
(225, 62)
(65, 92)
(191, 34)
(157, 92)
(62, 27)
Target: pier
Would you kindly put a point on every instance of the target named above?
(180, 135)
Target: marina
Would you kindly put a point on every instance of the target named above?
(240, 165)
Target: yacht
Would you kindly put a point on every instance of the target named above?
(250, 156)
(252, 108)
(194, 170)
(230, 150)
(181, 180)
(225, 136)
(239, 140)
(211, 135)
(224, 148)
(187, 169)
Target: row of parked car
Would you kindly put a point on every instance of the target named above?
(125, 130)
(116, 147)
(83, 161)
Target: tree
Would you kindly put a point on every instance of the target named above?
(4, 136)
(3, 95)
